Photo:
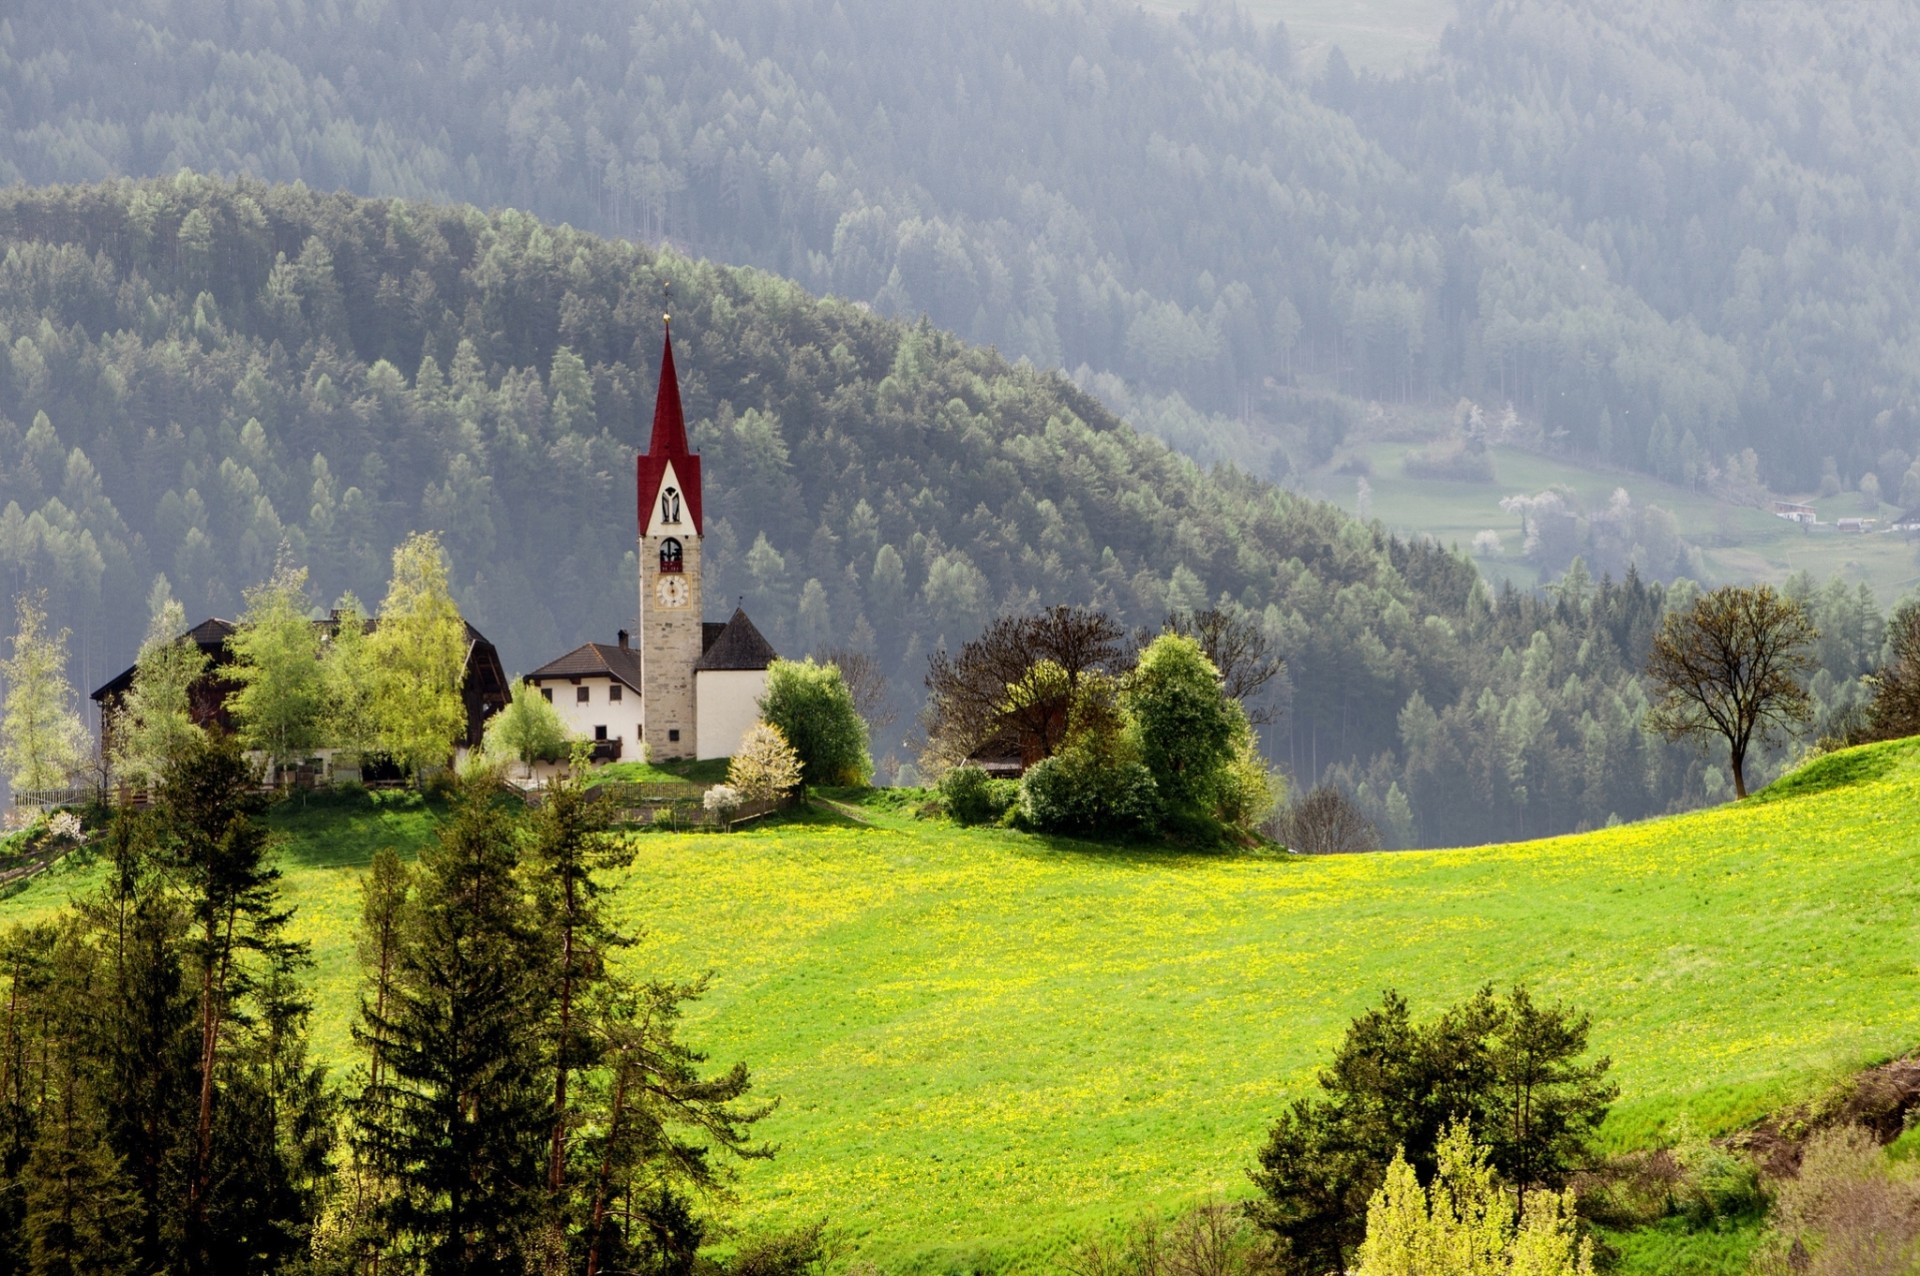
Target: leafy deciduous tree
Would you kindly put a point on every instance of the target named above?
(277, 705)
(418, 654)
(42, 740)
(813, 710)
(154, 726)
(1186, 726)
(528, 730)
(1464, 1225)
(765, 766)
(347, 682)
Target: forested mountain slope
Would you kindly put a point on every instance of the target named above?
(1666, 232)
(197, 373)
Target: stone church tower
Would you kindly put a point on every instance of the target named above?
(671, 634)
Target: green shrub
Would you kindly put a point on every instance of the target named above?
(973, 797)
(1083, 793)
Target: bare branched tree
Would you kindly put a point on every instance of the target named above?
(1238, 648)
(1731, 666)
(968, 692)
(868, 684)
(1325, 821)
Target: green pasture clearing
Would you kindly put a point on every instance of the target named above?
(1740, 543)
(987, 1043)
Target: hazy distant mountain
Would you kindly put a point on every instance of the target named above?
(1668, 231)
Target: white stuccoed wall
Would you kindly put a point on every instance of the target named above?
(726, 704)
(621, 718)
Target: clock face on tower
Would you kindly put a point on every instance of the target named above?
(671, 591)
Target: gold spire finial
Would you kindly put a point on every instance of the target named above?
(666, 293)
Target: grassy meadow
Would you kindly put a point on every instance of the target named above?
(985, 1042)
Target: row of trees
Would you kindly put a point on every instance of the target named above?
(389, 687)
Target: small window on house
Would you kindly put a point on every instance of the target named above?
(546, 693)
(670, 505)
(581, 695)
(613, 692)
(669, 555)
(674, 735)
(599, 733)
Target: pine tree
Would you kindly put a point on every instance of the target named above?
(217, 852)
(461, 1113)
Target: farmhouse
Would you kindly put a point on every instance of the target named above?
(483, 685)
(1795, 512)
(689, 688)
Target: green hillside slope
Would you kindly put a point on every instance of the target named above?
(985, 1042)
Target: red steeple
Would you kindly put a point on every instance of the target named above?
(669, 425)
(668, 445)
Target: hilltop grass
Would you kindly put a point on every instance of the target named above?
(987, 1043)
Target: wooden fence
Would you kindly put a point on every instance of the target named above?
(674, 804)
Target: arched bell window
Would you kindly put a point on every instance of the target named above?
(670, 505)
(669, 555)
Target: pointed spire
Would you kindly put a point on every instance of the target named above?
(669, 425)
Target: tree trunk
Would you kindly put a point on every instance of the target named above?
(557, 1163)
(1738, 760)
(603, 1188)
(209, 1051)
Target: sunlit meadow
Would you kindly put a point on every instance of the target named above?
(985, 1042)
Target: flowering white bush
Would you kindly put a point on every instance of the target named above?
(721, 797)
(64, 826)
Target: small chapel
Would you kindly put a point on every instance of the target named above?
(679, 685)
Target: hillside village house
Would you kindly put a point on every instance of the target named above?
(690, 688)
(483, 691)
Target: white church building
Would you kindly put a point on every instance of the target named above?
(688, 688)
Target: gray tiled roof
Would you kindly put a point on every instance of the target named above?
(739, 646)
(595, 659)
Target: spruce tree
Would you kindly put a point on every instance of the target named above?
(461, 1112)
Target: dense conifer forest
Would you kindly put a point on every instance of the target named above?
(199, 373)
(1664, 232)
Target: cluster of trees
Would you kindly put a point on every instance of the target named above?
(1115, 741)
(518, 1105)
(1666, 236)
(1507, 1072)
(389, 688)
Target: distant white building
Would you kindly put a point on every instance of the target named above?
(690, 687)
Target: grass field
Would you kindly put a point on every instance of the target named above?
(1738, 542)
(985, 1043)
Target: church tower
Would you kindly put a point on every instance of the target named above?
(670, 603)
